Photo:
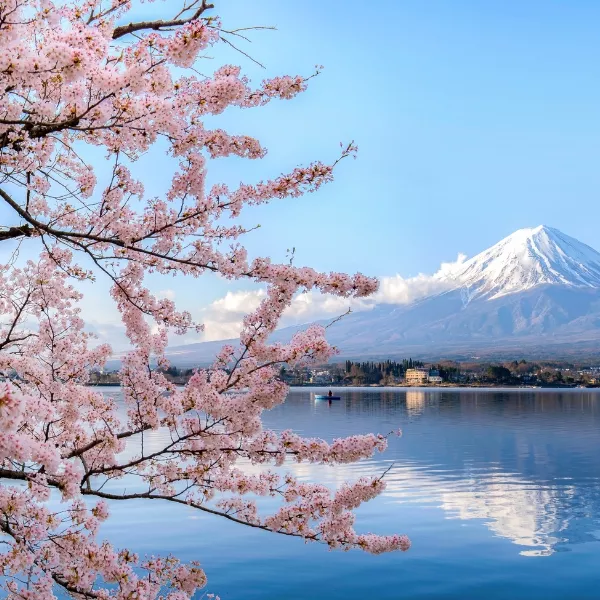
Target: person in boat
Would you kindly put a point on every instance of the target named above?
(330, 393)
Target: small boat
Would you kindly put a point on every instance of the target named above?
(326, 397)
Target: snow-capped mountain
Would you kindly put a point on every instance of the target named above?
(535, 293)
(528, 258)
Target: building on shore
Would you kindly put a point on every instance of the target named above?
(434, 377)
(417, 376)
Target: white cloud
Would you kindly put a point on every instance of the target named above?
(223, 318)
(399, 290)
(450, 269)
(312, 306)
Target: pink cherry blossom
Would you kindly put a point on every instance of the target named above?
(80, 73)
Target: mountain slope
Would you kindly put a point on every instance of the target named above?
(526, 259)
(547, 314)
(532, 292)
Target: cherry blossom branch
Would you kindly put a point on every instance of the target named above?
(206, 509)
(67, 81)
(160, 24)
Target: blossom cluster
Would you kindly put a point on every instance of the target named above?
(81, 72)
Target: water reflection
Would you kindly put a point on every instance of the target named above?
(481, 479)
(524, 463)
(415, 402)
(533, 516)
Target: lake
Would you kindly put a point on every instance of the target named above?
(499, 491)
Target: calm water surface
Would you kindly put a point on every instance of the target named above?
(499, 492)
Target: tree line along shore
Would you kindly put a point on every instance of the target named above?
(410, 373)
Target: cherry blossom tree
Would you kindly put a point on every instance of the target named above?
(80, 73)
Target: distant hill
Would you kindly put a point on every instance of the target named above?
(536, 292)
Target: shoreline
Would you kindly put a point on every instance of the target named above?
(453, 386)
(414, 387)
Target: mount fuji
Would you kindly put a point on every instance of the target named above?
(527, 259)
(535, 293)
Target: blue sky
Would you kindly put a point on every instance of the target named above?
(473, 119)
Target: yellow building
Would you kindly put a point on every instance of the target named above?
(416, 376)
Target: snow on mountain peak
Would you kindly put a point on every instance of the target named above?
(527, 258)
